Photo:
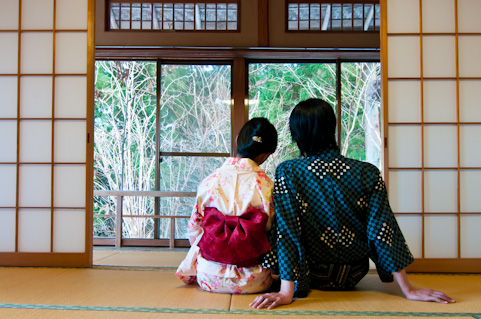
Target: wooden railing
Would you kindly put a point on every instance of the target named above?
(118, 241)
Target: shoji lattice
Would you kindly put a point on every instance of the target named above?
(44, 71)
(432, 85)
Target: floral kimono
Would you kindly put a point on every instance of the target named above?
(227, 230)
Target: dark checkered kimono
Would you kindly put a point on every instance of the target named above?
(332, 215)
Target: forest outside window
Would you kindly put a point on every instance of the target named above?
(161, 127)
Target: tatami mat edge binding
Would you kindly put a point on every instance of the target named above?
(244, 312)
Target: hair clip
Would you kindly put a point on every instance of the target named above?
(257, 139)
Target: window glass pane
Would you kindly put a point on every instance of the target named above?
(114, 16)
(336, 17)
(360, 112)
(347, 17)
(275, 88)
(125, 111)
(138, 228)
(175, 206)
(184, 173)
(104, 227)
(195, 108)
(125, 16)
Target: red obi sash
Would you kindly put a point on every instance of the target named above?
(235, 240)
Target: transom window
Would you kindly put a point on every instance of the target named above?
(306, 15)
(171, 15)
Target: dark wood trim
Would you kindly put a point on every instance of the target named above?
(184, 53)
(134, 242)
(448, 265)
(239, 112)
(45, 259)
(263, 23)
(89, 167)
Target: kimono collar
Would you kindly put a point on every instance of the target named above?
(328, 154)
(245, 164)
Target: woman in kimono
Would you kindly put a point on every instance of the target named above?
(332, 216)
(233, 211)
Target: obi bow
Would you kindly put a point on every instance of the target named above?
(236, 240)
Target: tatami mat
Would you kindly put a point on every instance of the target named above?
(155, 292)
(165, 258)
(371, 295)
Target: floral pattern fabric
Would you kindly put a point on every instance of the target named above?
(237, 186)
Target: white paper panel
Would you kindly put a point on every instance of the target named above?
(37, 14)
(439, 56)
(34, 230)
(438, 16)
(404, 100)
(405, 190)
(470, 100)
(36, 141)
(441, 236)
(8, 92)
(9, 15)
(440, 146)
(8, 52)
(8, 141)
(411, 227)
(72, 14)
(8, 185)
(36, 96)
(69, 231)
(70, 141)
(469, 191)
(69, 185)
(439, 101)
(404, 146)
(71, 96)
(468, 11)
(403, 56)
(37, 52)
(469, 52)
(470, 236)
(403, 16)
(7, 230)
(71, 53)
(440, 191)
(470, 145)
(35, 185)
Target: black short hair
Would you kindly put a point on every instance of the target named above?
(256, 137)
(313, 126)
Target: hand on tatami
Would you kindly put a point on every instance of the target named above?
(428, 295)
(275, 299)
(419, 294)
(271, 300)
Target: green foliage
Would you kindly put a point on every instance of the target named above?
(194, 116)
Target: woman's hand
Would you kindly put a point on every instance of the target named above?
(275, 299)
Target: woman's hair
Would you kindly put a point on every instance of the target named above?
(313, 126)
(256, 137)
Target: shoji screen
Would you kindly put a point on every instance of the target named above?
(432, 98)
(46, 58)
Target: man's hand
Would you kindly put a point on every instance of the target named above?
(275, 299)
(271, 300)
(428, 295)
